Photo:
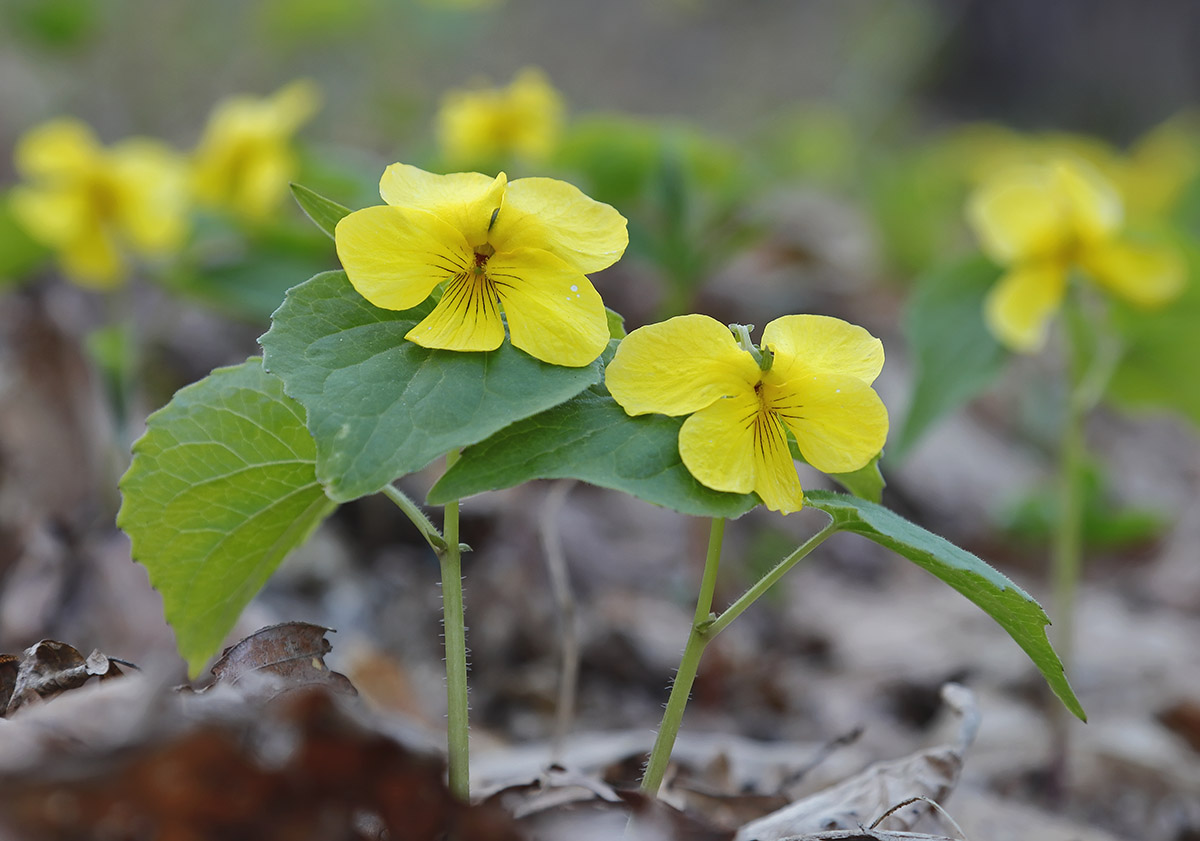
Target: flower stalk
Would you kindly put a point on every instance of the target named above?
(705, 627)
(454, 629)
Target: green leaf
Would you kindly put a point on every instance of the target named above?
(326, 213)
(955, 356)
(380, 406)
(616, 324)
(592, 439)
(222, 486)
(1158, 368)
(999, 597)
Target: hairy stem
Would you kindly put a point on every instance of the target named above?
(455, 632)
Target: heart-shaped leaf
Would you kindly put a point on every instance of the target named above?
(380, 406)
(990, 589)
(222, 486)
(592, 439)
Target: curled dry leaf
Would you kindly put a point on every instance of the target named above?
(859, 800)
(46, 669)
(278, 659)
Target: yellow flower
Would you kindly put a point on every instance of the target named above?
(493, 124)
(1042, 222)
(93, 204)
(522, 247)
(817, 386)
(245, 160)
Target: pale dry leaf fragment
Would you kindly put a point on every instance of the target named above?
(856, 802)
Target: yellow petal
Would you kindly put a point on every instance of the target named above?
(395, 256)
(64, 147)
(555, 216)
(775, 478)
(94, 261)
(716, 444)
(554, 313)
(1019, 307)
(678, 366)
(465, 200)
(150, 183)
(839, 421)
(1146, 274)
(467, 318)
(821, 343)
(53, 216)
(1093, 204)
(1019, 215)
(292, 105)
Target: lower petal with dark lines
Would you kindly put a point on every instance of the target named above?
(467, 318)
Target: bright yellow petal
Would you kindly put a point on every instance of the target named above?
(1093, 204)
(1019, 215)
(64, 147)
(466, 200)
(717, 443)
(467, 318)
(556, 216)
(821, 343)
(678, 366)
(1148, 275)
(554, 313)
(839, 421)
(395, 256)
(1019, 307)
(775, 478)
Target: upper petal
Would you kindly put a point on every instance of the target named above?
(1019, 214)
(63, 147)
(1148, 275)
(678, 366)
(466, 200)
(1018, 308)
(395, 256)
(839, 421)
(1094, 205)
(716, 444)
(557, 217)
(554, 313)
(822, 343)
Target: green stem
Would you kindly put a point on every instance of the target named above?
(424, 525)
(767, 581)
(698, 638)
(705, 628)
(455, 631)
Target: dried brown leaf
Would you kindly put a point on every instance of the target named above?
(49, 668)
(279, 659)
(859, 800)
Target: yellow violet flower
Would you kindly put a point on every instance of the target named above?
(523, 248)
(1043, 222)
(94, 205)
(811, 377)
(523, 120)
(245, 159)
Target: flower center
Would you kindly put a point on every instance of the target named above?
(482, 253)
